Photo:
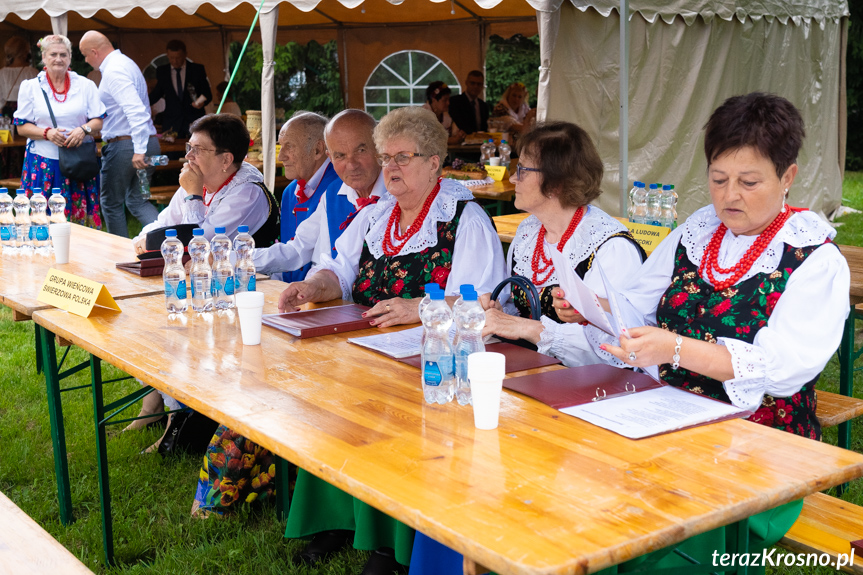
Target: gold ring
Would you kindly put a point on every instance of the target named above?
(388, 307)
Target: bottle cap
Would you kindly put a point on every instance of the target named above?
(653, 186)
(437, 295)
(469, 295)
(4, 190)
(639, 184)
(198, 232)
(465, 287)
(503, 142)
(431, 287)
(170, 233)
(671, 187)
(20, 191)
(56, 191)
(243, 229)
(667, 187)
(220, 230)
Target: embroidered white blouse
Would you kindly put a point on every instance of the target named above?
(477, 255)
(241, 202)
(806, 325)
(619, 260)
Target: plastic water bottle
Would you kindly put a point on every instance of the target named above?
(7, 223)
(424, 303)
(244, 271)
(201, 274)
(487, 151)
(39, 223)
(22, 222)
(174, 274)
(639, 206)
(144, 183)
(438, 371)
(156, 160)
(505, 151)
(632, 192)
(469, 321)
(667, 202)
(653, 210)
(223, 271)
(57, 206)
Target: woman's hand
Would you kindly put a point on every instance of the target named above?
(299, 293)
(502, 324)
(395, 311)
(140, 245)
(487, 303)
(646, 346)
(565, 312)
(57, 136)
(76, 138)
(192, 179)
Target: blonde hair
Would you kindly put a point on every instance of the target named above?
(420, 126)
(52, 39)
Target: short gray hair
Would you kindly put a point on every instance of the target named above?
(51, 39)
(418, 125)
(312, 125)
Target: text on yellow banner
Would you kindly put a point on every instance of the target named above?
(74, 294)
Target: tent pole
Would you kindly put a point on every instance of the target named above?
(269, 25)
(624, 107)
(60, 24)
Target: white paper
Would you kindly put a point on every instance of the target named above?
(579, 294)
(623, 313)
(652, 412)
(397, 345)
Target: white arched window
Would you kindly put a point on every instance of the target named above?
(401, 80)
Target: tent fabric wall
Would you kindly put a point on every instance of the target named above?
(677, 79)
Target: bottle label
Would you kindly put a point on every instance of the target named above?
(7, 233)
(41, 233)
(216, 286)
(201, 287)
(181, 290)
(431, 374)
(169, 289)
(252, 283)
(229, 285)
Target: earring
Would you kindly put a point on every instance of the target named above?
(225, 170)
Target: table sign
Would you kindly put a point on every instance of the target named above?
(496, 173)
(5, 136)
(75, 294)
(647, 236)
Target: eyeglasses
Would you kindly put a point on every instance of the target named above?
(197, 149)
(519, 169)
(401, 159)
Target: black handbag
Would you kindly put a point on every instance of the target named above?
(527, 287)
(79, 164)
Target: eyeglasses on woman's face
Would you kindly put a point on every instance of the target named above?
(196, 150)
(401, 159)
(519, 169)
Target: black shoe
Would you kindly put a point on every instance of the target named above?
(383, 562)
(169, 441)
(322, 546)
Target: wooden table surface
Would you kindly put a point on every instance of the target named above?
(502, 191)
(507, 225)
(93, 254)
(544, 493)
(854, 256)
(27, 549)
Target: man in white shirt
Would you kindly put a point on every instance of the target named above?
(127, 131)
(352, 151)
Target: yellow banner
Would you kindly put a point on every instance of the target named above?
(648, 236)
(75, 294)
(496, 173)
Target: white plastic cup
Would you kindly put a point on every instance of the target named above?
(60, 236)
(494, 161)
(250, 309)
(485, 371)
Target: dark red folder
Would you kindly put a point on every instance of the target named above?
(320, 321)
(517, 358)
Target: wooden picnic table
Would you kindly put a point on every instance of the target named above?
(544, 493)
(507, 225)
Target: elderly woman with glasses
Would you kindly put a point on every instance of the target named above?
(558, 175)
(217, 188)
(428, 230)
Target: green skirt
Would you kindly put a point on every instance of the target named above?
(317, 506)
(765, 530)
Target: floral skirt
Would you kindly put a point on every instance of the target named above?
(235, 470)
(82, 198)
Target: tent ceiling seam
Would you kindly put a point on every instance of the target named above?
(325, 15)
(476, 17)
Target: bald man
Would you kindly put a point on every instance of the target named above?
(351, 149)
(127, 130)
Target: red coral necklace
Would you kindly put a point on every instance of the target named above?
(710, 259)
(225, 183)
(54, 90)
(540, 264)
(392, 231)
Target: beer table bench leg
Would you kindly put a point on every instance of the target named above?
(284, 472)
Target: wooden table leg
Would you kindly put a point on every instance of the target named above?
(102, 460)
(58, 433)
(471, 567)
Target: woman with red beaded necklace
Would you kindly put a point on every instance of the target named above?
(559, 174)
(427, 230)
(749, 295)
(78, 111)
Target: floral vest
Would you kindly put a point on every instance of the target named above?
(406, 275)
(690, 307)
(545, 293)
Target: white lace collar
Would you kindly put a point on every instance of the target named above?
(442, 210)
(801, 230)
(75, 82)
(595, 228)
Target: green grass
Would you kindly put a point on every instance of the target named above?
(152, 496)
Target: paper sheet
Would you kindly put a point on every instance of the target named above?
(579, 294)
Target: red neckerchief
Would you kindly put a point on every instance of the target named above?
(361, 203)
(206, 203)
(300, 191)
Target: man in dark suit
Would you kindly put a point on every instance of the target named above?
(185, 88)
(467, 110)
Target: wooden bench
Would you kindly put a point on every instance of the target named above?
(162, 194)
(827, 525)
(10, 183)
(834, 408)
(27, 548)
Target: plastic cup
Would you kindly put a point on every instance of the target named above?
(485, 371)
(250, 309)
(494, 161)
(60, 237)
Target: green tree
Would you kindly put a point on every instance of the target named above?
(511, 60)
